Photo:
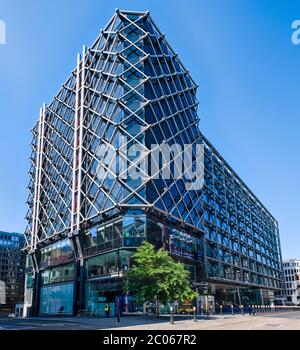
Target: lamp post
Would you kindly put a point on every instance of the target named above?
(172, 314)
(195, 313)
(118, 285)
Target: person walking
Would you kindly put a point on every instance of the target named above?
(250, 310)
(107, 310)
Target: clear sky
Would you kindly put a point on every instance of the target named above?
(239, 52)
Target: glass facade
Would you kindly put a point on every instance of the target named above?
(93, 194)
(108, 263)
(58, 274)
(12, 266)
(56, 254)
(128, 231)
(178, 242)
(57, 299)
(242, 237)
(102, 281)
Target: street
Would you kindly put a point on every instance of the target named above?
(280, 321)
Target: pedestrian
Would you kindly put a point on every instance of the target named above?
(250, 309)
(107, 310)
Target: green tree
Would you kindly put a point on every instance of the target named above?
(156, 277)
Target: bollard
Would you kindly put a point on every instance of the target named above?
(195, 313)
(221, 310)
(242, 310)
(171, 315)
(202, 311)
(231, 310)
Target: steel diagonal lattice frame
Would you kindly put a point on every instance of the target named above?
(130, 89)
(109, 76)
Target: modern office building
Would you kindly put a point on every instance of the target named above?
(94, 196)
(291, 271)
(12, 268)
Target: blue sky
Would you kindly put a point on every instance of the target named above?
(239, 52)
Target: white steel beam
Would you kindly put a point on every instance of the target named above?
(78, 137)
(37, 185)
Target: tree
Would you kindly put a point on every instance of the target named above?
(155, 276)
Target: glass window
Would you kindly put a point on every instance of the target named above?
(29, 280)
(133, 230)
(106, 264)
(58, 274)
(91, 237)
(98, 293)
(57, 254)
(57, 299)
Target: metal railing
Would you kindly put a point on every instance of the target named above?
(253, 309)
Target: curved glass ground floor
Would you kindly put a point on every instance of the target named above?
(99, 291)
(65, 287)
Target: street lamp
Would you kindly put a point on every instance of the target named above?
(195, 313)
(172, 314)
(118, 285)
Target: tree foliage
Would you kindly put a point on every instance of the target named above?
(155, 276)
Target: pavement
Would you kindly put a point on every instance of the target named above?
(284, 321)
(279, 321)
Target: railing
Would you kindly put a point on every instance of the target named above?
(253, 309)
(203, 313)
